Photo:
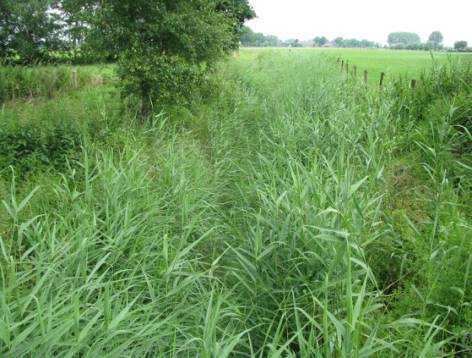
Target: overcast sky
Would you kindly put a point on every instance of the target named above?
(369, 19)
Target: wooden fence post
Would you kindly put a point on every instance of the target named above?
(342, 65)
(382, 78)
(355, 71)
(413, 84)
(74, 79)
(366, 77)
(347, 68)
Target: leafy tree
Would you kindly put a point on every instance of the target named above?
(165, 47)
(435, 39)
(403, 39)
(239, 11)
(338, 41)
(460, 45)
(76, 16)
(320, 41)
(29, 30)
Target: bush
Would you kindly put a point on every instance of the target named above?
(29, 147)
(159, 79)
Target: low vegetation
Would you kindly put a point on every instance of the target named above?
(288, 210)
(28, 83)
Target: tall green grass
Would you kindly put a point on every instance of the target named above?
(17, 82)
(297, 213)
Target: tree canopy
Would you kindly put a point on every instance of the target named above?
(460, 45)
(249, 38)
(403, 39)
(29, 28)
(436, 38)
(320, 41)
(165, 47)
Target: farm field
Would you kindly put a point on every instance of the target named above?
(394, 63)
(286, 211)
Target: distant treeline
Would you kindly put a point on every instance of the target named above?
(412, 41)
(250, 38)
(396, 40)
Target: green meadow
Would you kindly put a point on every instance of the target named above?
(394, 63)
(287, 211)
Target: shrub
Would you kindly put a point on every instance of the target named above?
(28, 147)
(159, 79)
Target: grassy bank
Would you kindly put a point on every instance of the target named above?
(291, 212)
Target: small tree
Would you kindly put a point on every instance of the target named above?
(166, 47)
(436, 38)
(338, 41)
(460, 45)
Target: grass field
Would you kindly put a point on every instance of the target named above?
(286, 212)
(394, 63)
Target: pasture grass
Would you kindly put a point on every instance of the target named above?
(394, 63)
(291, 213)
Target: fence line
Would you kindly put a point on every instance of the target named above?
(345, 66)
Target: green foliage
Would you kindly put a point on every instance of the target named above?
(32, 147)
(29, 82)
(355, 43)
(403, 39)
(319, 41)
(239, 11)
(167, 79)
(296, 212)
(151, 37)
(338, 41)
(460, 45)
(29, 29)
(435, 39)
(43, 134)
(147, 37)
(444, 83)
(250, 38)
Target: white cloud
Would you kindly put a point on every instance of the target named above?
(369, 19)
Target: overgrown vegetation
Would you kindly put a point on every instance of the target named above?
(27, 83)
(164, 49)
(179, 204)
(290, 212)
